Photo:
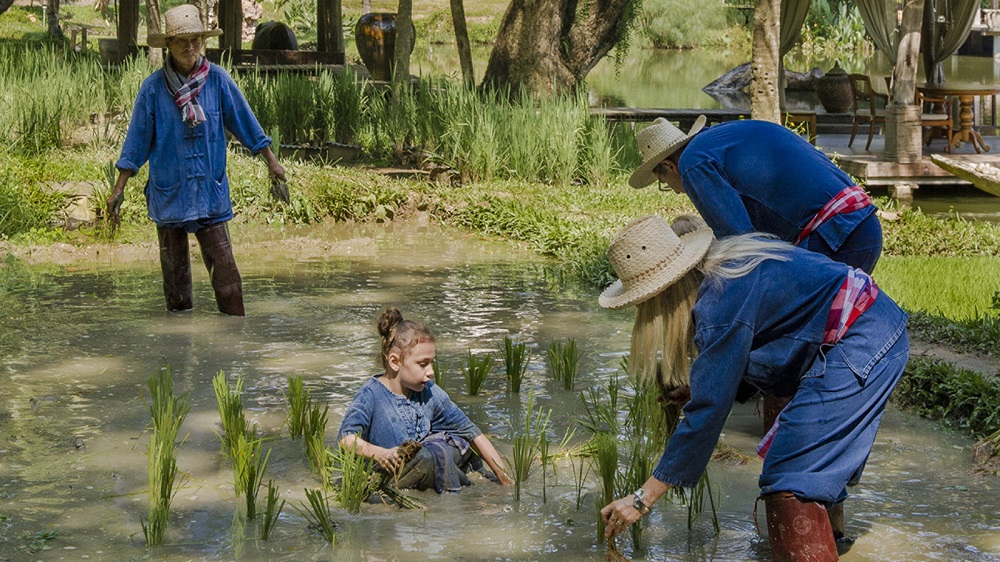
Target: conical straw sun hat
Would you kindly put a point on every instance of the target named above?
(656, 142)
(182, 21)
(649, 257)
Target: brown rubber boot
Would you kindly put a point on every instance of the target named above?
(773, 406)
(837, 523)
(799, 530)
(175, 263)
(217, 251)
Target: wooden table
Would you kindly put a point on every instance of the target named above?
(966, 94)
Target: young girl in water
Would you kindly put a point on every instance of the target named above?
(403, 404)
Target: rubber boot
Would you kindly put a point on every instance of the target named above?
(175, 264)
(799, 530)
(773, 406)
(837, 523)
(217, 251)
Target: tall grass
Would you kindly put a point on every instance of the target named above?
(168, 412)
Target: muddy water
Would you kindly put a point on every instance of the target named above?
(79, 343)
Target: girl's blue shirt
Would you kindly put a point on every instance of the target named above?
(187, 165)
(386, 419)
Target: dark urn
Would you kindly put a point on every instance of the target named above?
(834, 90)
(375, 36)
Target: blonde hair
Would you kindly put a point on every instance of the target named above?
(399, 335)
(663, 335)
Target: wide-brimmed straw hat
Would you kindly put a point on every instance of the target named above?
(649, 257)
(182, 21)
(656, 142)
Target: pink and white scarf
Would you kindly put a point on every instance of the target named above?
(186, 90)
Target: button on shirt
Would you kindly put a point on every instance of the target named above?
(765, 328)
(747, 176)
(386, 419)
(187, 165)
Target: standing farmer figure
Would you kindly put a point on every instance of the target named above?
(179, 124)
(754, 310)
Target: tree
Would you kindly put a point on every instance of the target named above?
(765, 68)
(549, 46)
(5, 5)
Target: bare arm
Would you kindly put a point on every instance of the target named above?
(274, 169)
(388, 459)
(117, 196)
(489, 454)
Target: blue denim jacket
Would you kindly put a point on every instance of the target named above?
(386, 419)
(187, 165)
(747, 176)
(765, 328)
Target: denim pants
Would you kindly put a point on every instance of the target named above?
(826, 432)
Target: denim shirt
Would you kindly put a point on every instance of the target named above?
(187, 165)
(747, 176)
(765, 328)
(383, 418)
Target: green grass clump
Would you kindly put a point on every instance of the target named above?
(515, 360)
(168, 412)
(475, 371)
(563, 360)
(317, 512)
(299, 403)
(957, 397)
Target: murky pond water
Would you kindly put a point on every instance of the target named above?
(78, 344)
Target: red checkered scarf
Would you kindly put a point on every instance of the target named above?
(856, 294)
(186, 90)
(848, 200)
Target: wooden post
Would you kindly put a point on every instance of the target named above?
(902, 119)
(462, 42)
(329, 26)
(404, 42)
(231, 22)
(128, 29)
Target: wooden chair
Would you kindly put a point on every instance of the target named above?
(935, 114)
(866, 107)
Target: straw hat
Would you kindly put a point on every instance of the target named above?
(648, 257)
(656, 142)
(182, 21)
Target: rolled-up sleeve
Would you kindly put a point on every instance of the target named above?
(723, 352)
(239, 119)
(358, 418)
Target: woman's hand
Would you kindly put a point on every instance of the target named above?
(388, 459)
(618, 515)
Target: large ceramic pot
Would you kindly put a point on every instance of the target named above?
(834, 90)
(375, 36)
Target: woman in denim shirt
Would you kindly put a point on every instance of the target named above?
(787, 321)
(403, 404)
(179, 124)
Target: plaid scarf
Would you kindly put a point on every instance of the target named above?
(185, 90)
(848, 200)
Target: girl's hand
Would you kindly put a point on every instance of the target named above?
(618, 515)
(388, 459)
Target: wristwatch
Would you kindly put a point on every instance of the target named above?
(637, 501)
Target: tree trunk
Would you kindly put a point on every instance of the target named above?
(53, 18)
(765, 68)
(462, 42)
(549, 46)
(404, 42)
(902, 117)
(5, 5)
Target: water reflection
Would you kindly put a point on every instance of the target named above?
(72, 418)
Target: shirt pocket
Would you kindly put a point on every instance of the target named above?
(167, 203)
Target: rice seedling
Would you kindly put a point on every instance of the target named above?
(439, 376)
(168, 413)
(581, 468)
(476, 370)
(605, 459)
(563, 361)
(318, 514)
(357, 478)
(230, 405)
(316, 452)
(986, 454)
(272, 510)
(314, 432)
(299, 404)
(248, 471)
(515, 359)
(528, 444)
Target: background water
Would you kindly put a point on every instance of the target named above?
(79, 343)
